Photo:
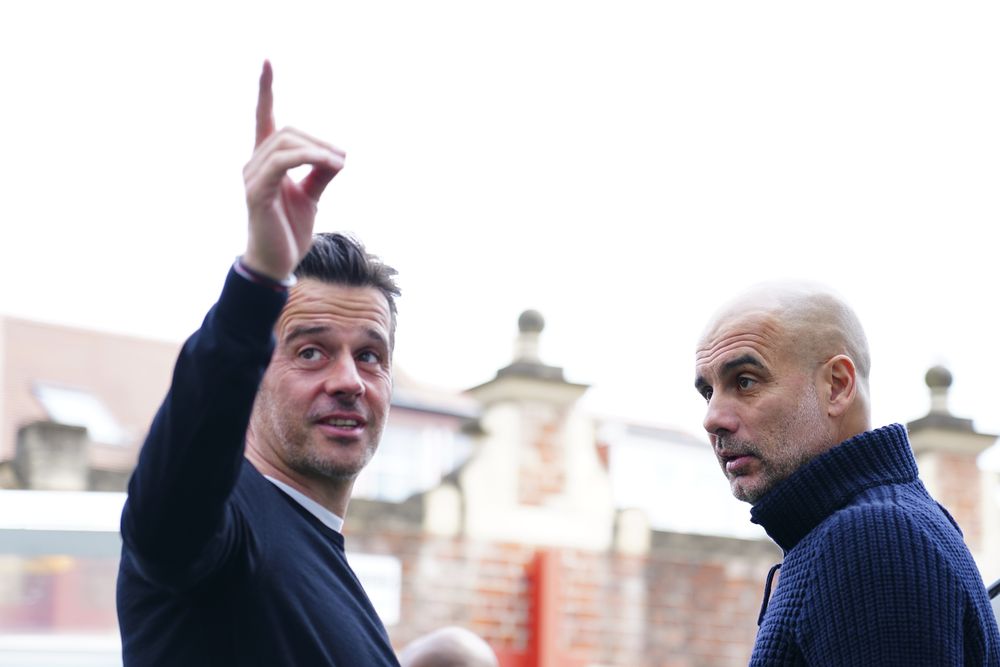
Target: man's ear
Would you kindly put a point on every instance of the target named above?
(840, 384)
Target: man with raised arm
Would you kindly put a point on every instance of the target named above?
(232, 552)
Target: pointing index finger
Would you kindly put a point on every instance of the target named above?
(265, 105)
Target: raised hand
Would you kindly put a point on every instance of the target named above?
(282, 212)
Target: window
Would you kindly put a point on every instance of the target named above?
(78, 407)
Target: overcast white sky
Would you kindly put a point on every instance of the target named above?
(624, 167)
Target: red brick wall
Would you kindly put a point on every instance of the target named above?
(542, 458)
(958, 488)
(705, 597)
(692, 602)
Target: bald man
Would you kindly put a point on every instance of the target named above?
(875, 571)
(448, 647)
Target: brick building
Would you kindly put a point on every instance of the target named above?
(506, 509)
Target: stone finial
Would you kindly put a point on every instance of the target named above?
(527, 362)
(530, 324)
(939, 380)
(938, 376)
(531, 321)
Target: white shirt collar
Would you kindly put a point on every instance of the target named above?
(328, 518)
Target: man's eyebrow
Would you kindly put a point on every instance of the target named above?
(728, 367)
(377, 336)
(303, 331)
(744, 360)
(317, 329)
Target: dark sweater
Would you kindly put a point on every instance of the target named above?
(219, 566)
(875, 571)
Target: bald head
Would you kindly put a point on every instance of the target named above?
(448, 647)
(816, 324)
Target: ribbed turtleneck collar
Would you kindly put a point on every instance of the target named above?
(798, 504)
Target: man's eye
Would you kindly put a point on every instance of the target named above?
(706, 393)
(745, 382)
(309, 354)
(369, 357)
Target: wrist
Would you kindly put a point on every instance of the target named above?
(258, 278)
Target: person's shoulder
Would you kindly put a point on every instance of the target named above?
(894, 513)
(883, 587)
(886, 515)
(892, 532)
(258, 499)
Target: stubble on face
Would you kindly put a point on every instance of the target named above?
(781, 452)
(292, 437)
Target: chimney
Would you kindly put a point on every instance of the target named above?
(52, 457)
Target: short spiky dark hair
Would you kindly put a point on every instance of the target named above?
(342, 260)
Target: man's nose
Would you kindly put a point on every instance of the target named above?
(343, 379)
(721, 417)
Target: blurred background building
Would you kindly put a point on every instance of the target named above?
(561, 538)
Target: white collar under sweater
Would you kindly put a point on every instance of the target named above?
(328, 518)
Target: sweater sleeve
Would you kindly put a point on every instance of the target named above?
(176, 524)
(882, 593)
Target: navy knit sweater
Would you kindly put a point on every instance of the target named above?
(220, 567)
(875, 571)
